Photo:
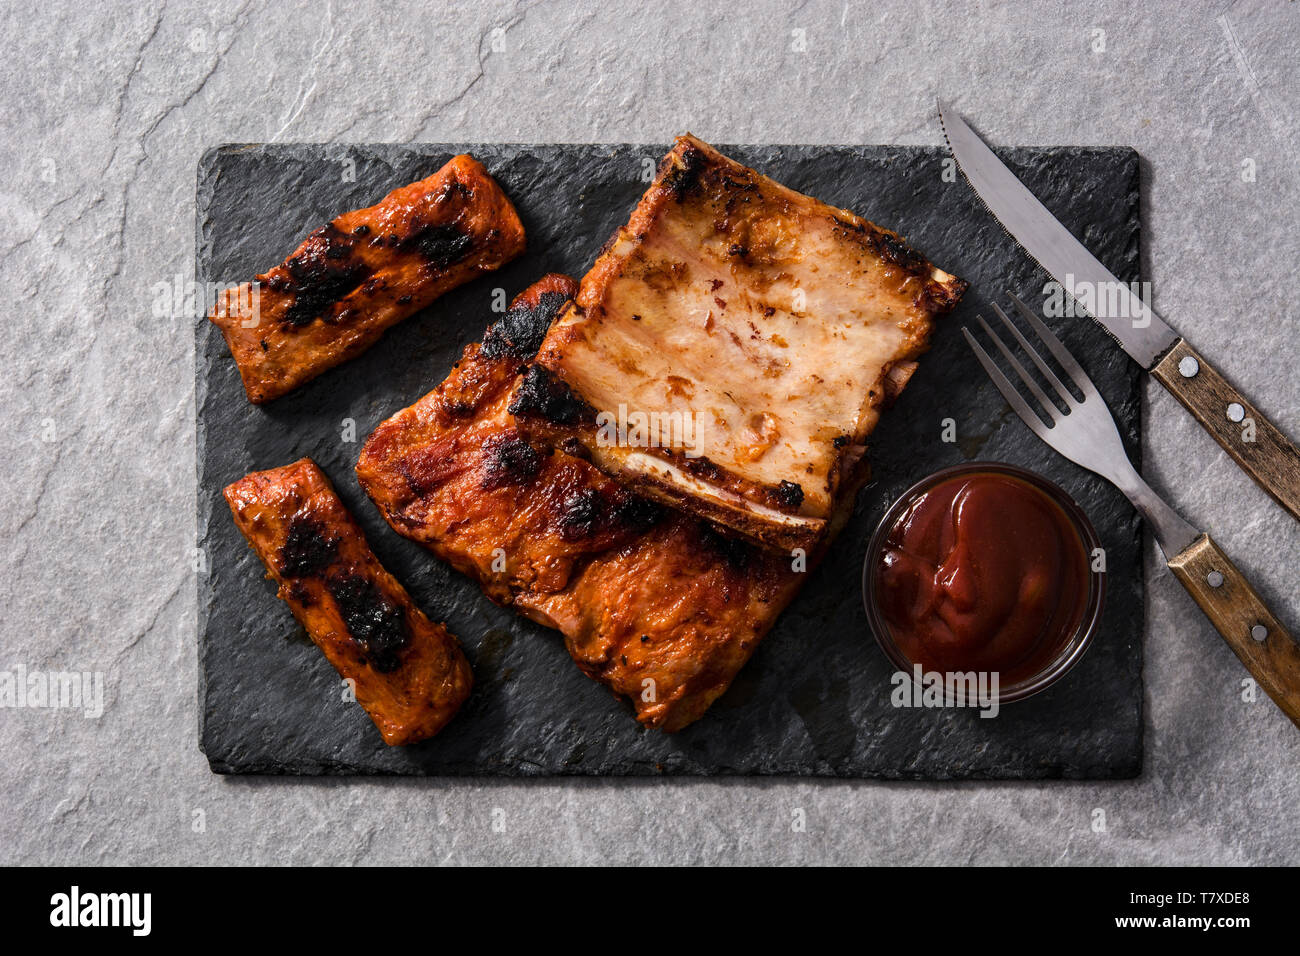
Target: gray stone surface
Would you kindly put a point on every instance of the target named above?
(107, 112)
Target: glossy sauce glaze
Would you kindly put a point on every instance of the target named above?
(983, 572)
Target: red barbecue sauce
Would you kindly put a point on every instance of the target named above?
(983, 572)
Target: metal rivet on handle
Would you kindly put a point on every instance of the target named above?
(1259, 632)
(1215, 579)
(1235, 412)
(1188, 366)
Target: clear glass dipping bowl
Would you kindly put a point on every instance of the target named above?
(1071, 648)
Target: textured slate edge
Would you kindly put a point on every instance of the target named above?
(204, 507)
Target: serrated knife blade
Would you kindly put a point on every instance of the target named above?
(1142, 334)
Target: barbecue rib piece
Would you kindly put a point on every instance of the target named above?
(364, 272)
(730, 349)
(409, 673)
(653, 603)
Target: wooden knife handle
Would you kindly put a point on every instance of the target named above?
(1252, 440)
(1237, 612)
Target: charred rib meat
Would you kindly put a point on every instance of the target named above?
(364, 272)
(409, 672)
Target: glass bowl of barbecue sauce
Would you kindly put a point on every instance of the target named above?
(984, 569)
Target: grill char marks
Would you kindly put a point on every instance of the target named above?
(735, 552)
(509, 460)
(376, 624)
(307, 550)
(520, 331)
(588, 512)
(938, 296)
(581, 512)
(789, 495)
(680, 171)
(442, 244)
(543, 395)
(408, 672)
(637, 513)
(322, 271)
(364, 272)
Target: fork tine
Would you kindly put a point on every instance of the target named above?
(1066, 395)
(1007, 389)
(1053, 413)
(1072, 368)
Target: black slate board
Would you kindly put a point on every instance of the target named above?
(814, 700)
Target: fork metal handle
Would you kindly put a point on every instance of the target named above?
(1270, 458)
(1241, 617)
(1173, 532)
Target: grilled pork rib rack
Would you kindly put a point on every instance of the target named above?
(364, 272)
(652, 602)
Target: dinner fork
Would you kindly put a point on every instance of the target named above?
(1086, 434)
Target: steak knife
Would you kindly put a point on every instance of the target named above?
(1252, 441)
